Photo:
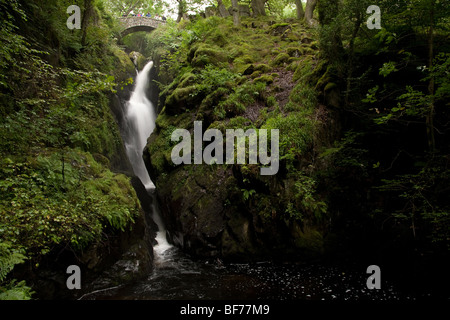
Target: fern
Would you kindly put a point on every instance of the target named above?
(15, 291)
(11, 290)
(8, 259)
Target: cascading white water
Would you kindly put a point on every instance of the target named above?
(140, 117)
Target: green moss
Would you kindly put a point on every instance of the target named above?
(181, 95)
(123, 67)
(330, 86)
(293, 64)
(308, 51)
(280, 59)
(188, 79)
(294, 51)
(275, 51)
(303, 70)
(235, 51)
(328, 76)
(159, 148)
(264, 78)
(255, 74)
(238, 123)
(218, 37)
(213, 98)
(293, 59)
(164, 121)
(278, 25)
(205, 55)
(244, 64)
(293, 36)
(264, 68)
(141, 62)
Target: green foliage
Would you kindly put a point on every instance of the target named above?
(348, 152)
(15, 291)
(387, 68)
(422, 202)
(246, 194)
(11, 46)
(55, 118)
(119, 8)
(212, 77)
(440, 73)
(45, 204)
(8, 259)
(302, 98)
(10, 290)
(237, 101)
(306, 199)
(296, 136)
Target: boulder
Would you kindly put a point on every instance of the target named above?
(138, 60)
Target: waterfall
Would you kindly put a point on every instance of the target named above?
(140, 116)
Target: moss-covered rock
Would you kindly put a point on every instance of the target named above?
(188, 79)
(206, 54)
(264, 68)
(294, 51)
(264, 78)
(244, 64)
(278, 29)
(280, 59)
(138, 60)
(182, 99)
(255, 74)
(327, 77)
(245, 69)
(124, 67)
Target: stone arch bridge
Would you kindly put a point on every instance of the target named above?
(134, 24)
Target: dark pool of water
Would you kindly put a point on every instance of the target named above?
(175, 276)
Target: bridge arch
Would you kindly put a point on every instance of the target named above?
(135, 24)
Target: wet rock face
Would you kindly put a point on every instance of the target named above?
(192, 205)
(200, 219)
(206, 216)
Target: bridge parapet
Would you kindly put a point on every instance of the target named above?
(133, 24)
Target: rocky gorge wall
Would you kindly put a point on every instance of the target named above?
(230, 211)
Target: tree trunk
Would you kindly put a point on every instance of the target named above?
(328, 10)
(299, 9)
(430, 116)
(85, 22)
(181, 10)
(258, 8)
(351, 54)
(309, 10)
(222, 9)
(236, 20)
